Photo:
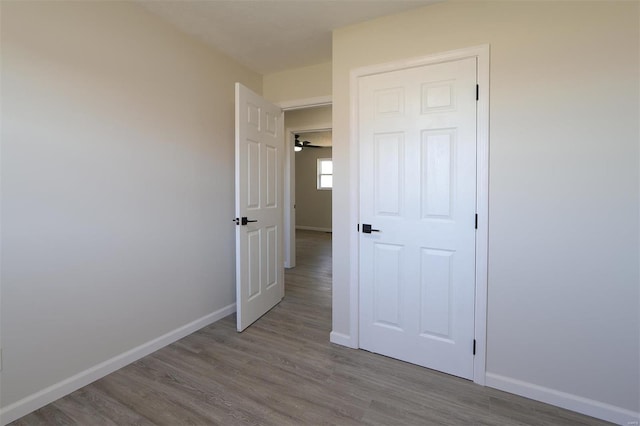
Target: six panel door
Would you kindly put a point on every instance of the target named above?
(259, 189)
(417, 141)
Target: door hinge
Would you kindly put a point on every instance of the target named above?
(474, 346)
(476, 221)
(477, 92)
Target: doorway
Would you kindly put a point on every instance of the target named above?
(313, 181)
(311, 124)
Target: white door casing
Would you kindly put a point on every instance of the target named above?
(259, 199)
(417, 150)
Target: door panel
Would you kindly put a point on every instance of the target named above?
(259, 189)
(253, 175)
(435, 313)
(417, 139)
(388, 264)
(389, 172)
(253, 253)
(436, 173)
(272, 261)
(272, 177)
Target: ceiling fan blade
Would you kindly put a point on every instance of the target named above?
(305, 144)
(308, 144)
(302, 144)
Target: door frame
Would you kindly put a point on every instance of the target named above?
(289, 236)
(290, 188)
(481, 53)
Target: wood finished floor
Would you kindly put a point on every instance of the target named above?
(284, 371)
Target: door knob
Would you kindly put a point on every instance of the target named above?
(366, 229)
(245, 221)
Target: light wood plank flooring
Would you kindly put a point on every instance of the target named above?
(284, 371)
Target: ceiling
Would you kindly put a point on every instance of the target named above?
(272, 35)
(323, 139)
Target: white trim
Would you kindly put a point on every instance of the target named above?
(590, 407)
(481, 53)
(342, 340)
(66, 386)
(482, 209)
(289, 200)
(313, 228)
(354, 208)
(324, 127)
(305, 103)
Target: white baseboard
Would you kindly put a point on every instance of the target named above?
(341, 339)
(576, 403)
(65, 387)
(313, 228)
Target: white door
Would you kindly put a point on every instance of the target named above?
(259, 206)
(417, 139)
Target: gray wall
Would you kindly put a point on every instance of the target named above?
(117, 186)
(313, 206)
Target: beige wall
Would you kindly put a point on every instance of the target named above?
(299, 83)
(313, 206)
(117, 185)
(309, 118)
(563, 224)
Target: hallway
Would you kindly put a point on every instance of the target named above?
(283, 371)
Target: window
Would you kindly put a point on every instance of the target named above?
(325, 173)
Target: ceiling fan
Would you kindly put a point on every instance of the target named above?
(303, 144)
